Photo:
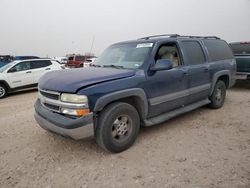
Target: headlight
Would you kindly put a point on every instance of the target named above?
(73, 98)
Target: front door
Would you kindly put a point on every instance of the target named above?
(167, 88)
(20, 75)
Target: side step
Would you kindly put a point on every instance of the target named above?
(166, 116)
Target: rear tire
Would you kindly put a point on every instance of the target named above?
(218, 96)
(117, 127)
(3, 91)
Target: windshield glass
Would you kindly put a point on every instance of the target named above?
(5, 67)
(128, 56)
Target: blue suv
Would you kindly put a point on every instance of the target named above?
(135, 83)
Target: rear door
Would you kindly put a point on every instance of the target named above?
(39, 68)
(197, 70)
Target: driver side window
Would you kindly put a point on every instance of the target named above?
(169, 52)
(21, 67)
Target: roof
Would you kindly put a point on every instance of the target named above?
(170, 37)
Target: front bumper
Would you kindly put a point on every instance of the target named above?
(75, 128)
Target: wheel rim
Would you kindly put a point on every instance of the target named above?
(2, 91)
(121, 128)
(219, 94)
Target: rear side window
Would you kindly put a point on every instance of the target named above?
(193, 53)
(218, 50)
(40, 64)
(79, 58)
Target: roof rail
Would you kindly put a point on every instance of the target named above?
(153, 36)
(204, 37)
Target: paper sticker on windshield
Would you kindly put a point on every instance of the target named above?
(144, 45)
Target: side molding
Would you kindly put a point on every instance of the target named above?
(135, 92)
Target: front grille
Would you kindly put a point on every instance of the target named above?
(50, 99)
(50, 95)
(52, 107)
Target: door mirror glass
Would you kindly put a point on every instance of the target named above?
(162, 64)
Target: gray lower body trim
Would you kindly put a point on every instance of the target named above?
(177, 95)
(166, 116)
(86, 131)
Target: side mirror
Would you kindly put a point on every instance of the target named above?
(162, 64)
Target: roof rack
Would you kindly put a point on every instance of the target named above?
(176, 35)
(154, 36)
(204, 37)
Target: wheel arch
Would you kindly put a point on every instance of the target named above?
(135, 97)
(5, 84)
(221, 75)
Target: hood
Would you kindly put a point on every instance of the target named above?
(70, 80)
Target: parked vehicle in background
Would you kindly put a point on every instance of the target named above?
(23, 74)
(241, 52)
(76, 61)
(25, 57)
(61, 60)
(89, 62)
(5, 59)
(135, 83)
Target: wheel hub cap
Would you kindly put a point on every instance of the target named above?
(2, 91)
(121, 127)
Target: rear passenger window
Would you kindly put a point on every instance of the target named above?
(218, 50)
(193, 53)
(40, 64)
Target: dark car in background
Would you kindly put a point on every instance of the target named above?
(25, 57)
(5, 59)
(241, 52)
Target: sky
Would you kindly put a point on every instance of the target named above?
(59, 27)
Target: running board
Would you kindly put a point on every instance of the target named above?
(166, 116)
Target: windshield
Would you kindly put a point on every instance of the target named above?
(128, 56)
(5, 67)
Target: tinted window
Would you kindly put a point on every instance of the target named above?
(79, 58)
(193, 53)
(240, 48)
(218, 50)
(40, 64)
(21, 67)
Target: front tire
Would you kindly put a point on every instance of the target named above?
(117, 127)
(3, 91)
(218, 96)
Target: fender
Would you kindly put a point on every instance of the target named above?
(135, 92)
(6, 84)
(216, 76)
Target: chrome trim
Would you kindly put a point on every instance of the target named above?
(58, 103)
(51, 92)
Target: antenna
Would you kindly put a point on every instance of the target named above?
(92, 44)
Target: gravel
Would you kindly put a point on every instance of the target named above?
(204, 148)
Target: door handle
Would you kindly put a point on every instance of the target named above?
(29, 72)
(185, 73)
(206, 69)
(47, 69)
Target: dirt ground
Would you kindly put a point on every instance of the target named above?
(203, 148)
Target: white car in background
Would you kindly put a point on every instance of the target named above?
(23, 74)
(89, 61)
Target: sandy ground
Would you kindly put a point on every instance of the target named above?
(203, 148)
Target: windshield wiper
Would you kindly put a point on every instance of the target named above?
(114, 66)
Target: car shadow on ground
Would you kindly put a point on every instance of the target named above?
(88, 147)
(241, 85)
(22, 92)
